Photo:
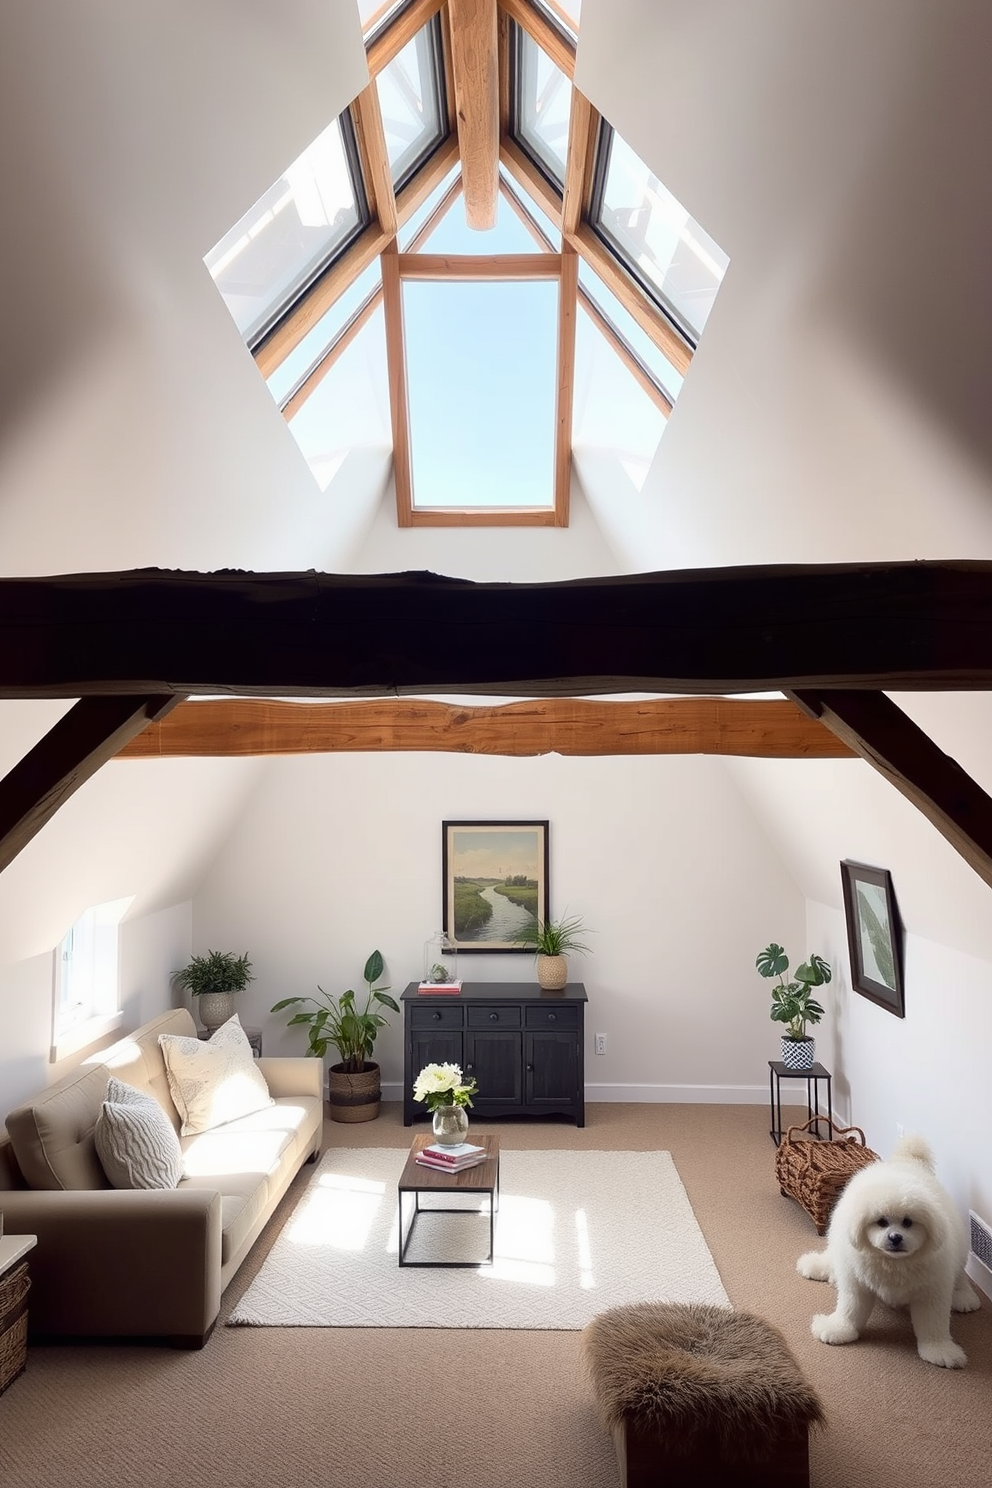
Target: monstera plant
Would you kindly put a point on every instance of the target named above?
(793, 1002)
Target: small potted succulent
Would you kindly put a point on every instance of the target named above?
(793, 1002)
(353, 1085)
(552, 940)
(214, 979)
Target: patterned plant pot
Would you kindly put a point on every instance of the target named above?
(798, 1054)
(552, 972)
(215, 1008)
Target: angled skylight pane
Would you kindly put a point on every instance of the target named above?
(415, 222)
(534, 210)
(542, 102)
(613, 415)
(654, 361)
(346, 421)
(678, 264)
(375, 15)
(508, 235)
(482, 416)
(287, 237)
(411, 100)
(563, 14)
(284, 379)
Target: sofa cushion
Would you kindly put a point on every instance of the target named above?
(52, 1135)
(216, 1081)
(135, 1140)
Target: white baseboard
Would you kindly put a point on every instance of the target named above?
(793, 1094)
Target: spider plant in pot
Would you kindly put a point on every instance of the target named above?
(353, 1084)
(214, 979)
(793, 1002)
(551, 941)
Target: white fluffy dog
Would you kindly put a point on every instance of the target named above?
(895, 1234)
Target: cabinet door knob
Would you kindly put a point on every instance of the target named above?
(530, 1069)
(552, 1017)
(469, 1068)
(494, 1017)
(436, 1017)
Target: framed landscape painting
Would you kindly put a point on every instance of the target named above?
(874, 935)
(495, 881)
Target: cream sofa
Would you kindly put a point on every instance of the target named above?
(147, 1263)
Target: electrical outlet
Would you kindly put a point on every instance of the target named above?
(601, 1043)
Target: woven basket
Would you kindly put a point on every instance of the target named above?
(14, 1287)
(814, 1172)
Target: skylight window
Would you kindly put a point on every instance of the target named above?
(482, 418)
(670, 255)
(303, 221)
(542, 101)
(412, 102)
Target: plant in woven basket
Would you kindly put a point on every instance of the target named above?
(340, 1022)
(793, 1002)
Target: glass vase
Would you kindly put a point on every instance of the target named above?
(440, 959)
(450, 1125)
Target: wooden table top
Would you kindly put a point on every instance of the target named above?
(481, 1177)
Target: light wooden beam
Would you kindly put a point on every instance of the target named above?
(392, 300)
(631, 297)
(92, 732)
(475, 70)
(568, 294)
(399, 33)
(465, 267)
(236, 727)
(880, 732)
(375, 158)
(583, 123)
(558, 47)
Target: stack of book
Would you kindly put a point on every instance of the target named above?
(451, 1159)
(439, 989)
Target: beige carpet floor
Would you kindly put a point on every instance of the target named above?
(374, 1408)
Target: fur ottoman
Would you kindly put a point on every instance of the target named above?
(697, 1394)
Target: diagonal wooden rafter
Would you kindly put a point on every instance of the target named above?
(92, 732)
(238, 727)
(475, 80)
(880, 732)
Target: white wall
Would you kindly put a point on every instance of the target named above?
(152, 947)
(338, 855)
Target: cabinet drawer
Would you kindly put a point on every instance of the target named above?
(494, 1016)
(429, 1015)
(566, 1016)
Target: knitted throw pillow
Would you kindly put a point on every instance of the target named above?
(135, 1140)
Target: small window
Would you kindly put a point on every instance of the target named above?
(292, 233)
(542, 103)
(87, 980)
(412, 103)
(676, 263)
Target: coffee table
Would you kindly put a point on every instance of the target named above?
(419, 1181)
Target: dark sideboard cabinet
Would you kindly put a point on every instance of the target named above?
(524, 1046)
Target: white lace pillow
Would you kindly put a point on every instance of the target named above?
(135, 1140)
(215, 1081)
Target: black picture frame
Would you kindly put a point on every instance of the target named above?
(874, 935)
(485, 856)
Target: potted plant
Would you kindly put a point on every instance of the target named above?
(353, 1084)
(214, 979)
(793, 1002)
(552, 940)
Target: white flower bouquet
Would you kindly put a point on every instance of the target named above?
(443, 1085)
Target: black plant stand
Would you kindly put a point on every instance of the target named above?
(777, 1072)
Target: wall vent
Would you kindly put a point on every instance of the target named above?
(981, 1239)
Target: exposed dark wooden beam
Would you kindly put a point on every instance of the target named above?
(881, 733)
(234, 727)
(91, 733)
(902, 626)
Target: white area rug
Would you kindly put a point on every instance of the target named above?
(576, 1232)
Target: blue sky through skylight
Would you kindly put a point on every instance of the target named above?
(482, 373)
